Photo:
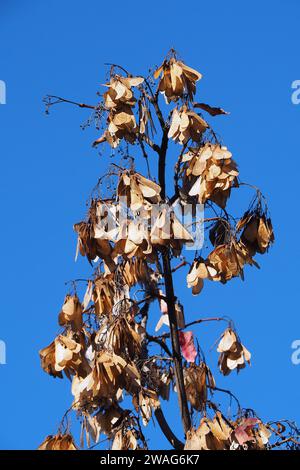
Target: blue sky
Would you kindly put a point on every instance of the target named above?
(248, 54)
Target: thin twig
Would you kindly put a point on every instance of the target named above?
(64, 100)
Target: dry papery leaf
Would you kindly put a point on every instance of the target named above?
(186, 125)
(58, 442)
(209, 173)
(257, 235)
(233, 355)
(47, 356)
(213, 111)
(88, 295)
(176, 80)
(153, 225)
(103, 218)
(196, 380)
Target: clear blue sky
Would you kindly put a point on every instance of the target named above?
(248, 53)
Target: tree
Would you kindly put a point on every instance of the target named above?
(132, 235)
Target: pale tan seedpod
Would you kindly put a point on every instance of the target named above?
(122, 338)
(146, 123)
(91, 247)
(118, 441)
(58, 442)
(82, 390)
(210, 435)
(229, 260)
(121, 125)
(66, 351)
(101, 423)
(134, 271)
(71, 312)
(147, 400)
(176, 79)
(47, 356)
(125, 439)
(69, 356)
(133, 240)
(110, 138)
(220, 428)
(228, 341)
(186, 125)
(88, 295)
(105, 420)
(109, 376)
(209, 173)
(119, 91)
(163, 320)
(168, 231)
(103, 294)
(119, 100)
(137, 191)
(197, 378)
(257, 233)
(233, 355)
(199, 271)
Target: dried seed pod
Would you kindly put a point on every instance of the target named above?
(233, 355)
(196, 379)
(71, 312)
(120, 101)
(257, 234)
(137, 191)
(209, 173)
(176, 79)
(186, 125)
(58, 442)
(210, 435)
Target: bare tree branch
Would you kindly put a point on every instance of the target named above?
(176, 443)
